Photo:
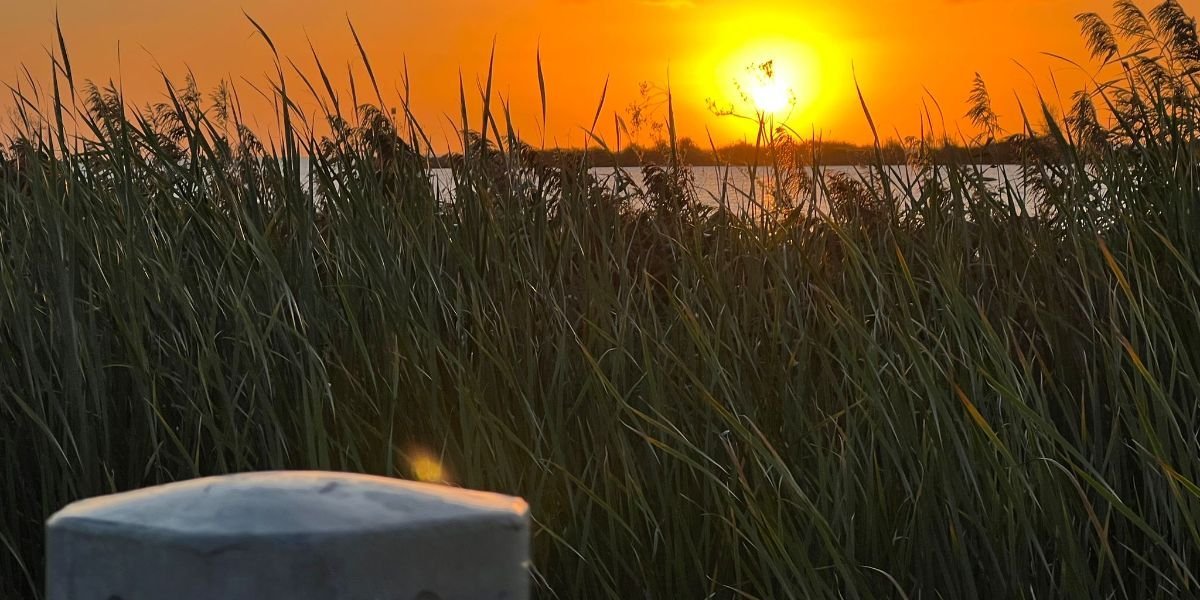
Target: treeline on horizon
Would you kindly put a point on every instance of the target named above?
(1009, 150)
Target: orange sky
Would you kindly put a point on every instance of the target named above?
(898, 49)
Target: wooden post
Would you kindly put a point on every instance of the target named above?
(290, 536)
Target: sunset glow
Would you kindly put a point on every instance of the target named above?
(702, 48)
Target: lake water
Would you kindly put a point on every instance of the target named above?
(743, 190)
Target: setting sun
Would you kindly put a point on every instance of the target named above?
(770, 76)
(769, 91)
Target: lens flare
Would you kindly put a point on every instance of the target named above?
(424, 466)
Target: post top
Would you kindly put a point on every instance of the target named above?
(282, 503)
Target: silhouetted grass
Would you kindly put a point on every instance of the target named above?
(930, 394)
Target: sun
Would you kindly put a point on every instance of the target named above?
(769, 92)
(770, 78)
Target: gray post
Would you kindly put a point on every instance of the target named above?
(290, 536)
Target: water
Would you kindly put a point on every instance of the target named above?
(744, 191)
(741, 190)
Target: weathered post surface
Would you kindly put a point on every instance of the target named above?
(290, 536)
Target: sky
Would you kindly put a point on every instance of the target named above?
(906, 56)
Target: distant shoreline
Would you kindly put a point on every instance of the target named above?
(831, 154)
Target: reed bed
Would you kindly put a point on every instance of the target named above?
(953, 392)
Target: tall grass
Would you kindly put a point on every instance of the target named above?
(938, 393)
